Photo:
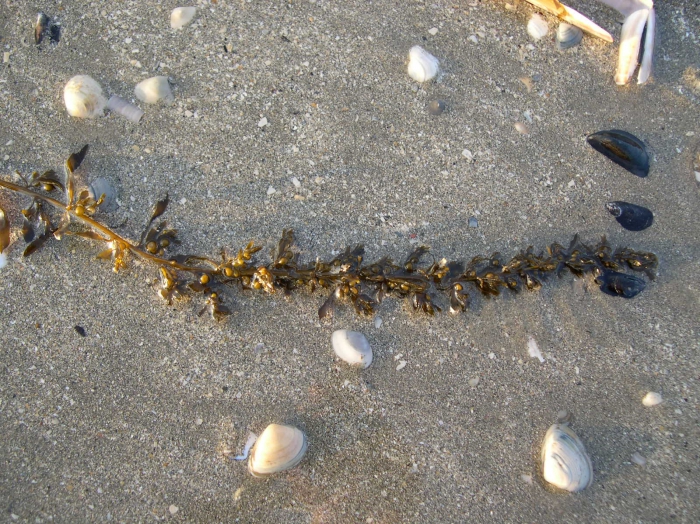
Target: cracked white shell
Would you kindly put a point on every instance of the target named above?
(352, 347)
(154, 89)
(278, 448)
(422, 66)
(181, 16)
(83, 97)
(565, 463)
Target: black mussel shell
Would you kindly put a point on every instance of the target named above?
(630, 216)
(618, 284)
(622, 148)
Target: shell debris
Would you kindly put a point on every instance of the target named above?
(352, 347)
(422, 66)
(652, 399)
(537, 27)
(124, 108)
(154, 89)
(182, 16)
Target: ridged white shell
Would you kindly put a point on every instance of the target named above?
(154, 89)
(83, 97)
(652, 399)
(422, 66)
(565, 463)
(537, 27)
(277, 449)
(181, 16)
(568, 36)
(352, 347)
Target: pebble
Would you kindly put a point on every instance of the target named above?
(173, 509)
(652, 399)
(436, 107)
(433, 31)
(271, 190)
(352, 347)
(521, 128)
(473, 382)
(296, 182)
(473, 222)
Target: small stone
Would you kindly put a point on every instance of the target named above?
(6, 57)
(638, 459)
(527, 479)
(296, 182)
(271, 190)
(436, 107)
(652, 399)
(473, 222)
(473, 382)
(128, 40)
(189, 114)
(352, 347)
(433, 31)
(173, 509)
(263, 122)
(521, 128)
(198, 422)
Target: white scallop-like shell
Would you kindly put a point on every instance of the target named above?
(422, 66)
(277, 449)
(652, 399)
(154, 89)
(352, 347)
(124, 108)
(181, 16)
(83, 97)
(537, 27)
(565, 463)
(568, 36)
(102, 186)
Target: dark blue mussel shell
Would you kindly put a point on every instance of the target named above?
(630, 216)
(619, 284)
(622, 148)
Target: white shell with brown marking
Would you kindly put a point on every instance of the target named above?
(278, 448)
(83, 97)
(565, 463)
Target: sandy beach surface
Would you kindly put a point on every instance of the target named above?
(300, 114)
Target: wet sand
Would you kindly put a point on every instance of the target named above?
(139, 419)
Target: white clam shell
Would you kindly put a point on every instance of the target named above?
(652, 399)
(83, 97)
(352, 347)
(422, 66)
(568, 36)
(565, 463)
(181, 16)
(537, 27)
(154, 89)
(278, 448)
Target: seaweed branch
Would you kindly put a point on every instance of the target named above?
(347, 278)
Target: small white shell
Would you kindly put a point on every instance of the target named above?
(83, 97)
(124, 108)
(652, 399)
(277, 449)
(102, 186)
(565, 463)
(537, 27)
(568, 36)
(154, 89)
(181, 16)
(352, 347)
(422, 66)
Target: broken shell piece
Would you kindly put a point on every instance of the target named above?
(652, 399)
(101, 187)
(568, 36)
(181, 16)
(83, 97)
(42, 23)
(124, 108)
(630, 44)
(565, 463)
(278, 448)
(154, 89)
(352, 347)
(537, 27)
(422, 66)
